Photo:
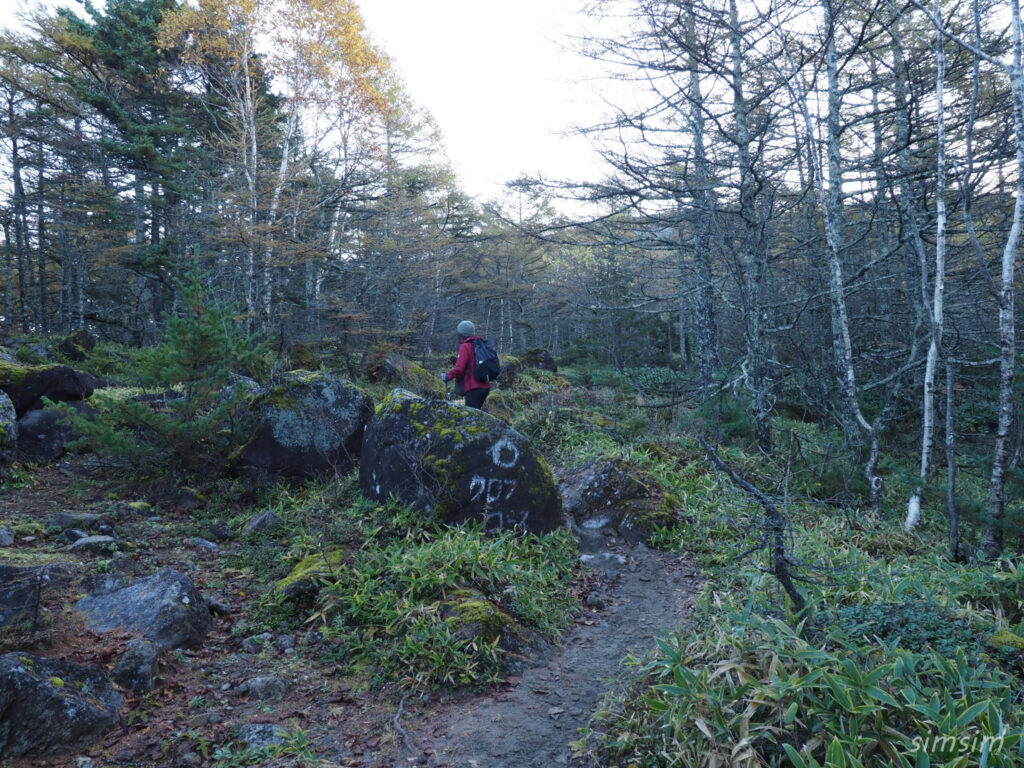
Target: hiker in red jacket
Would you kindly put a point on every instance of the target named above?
(474, 392)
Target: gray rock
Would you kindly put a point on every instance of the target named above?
(599, 494)
(164, 608)
(256, 643)
(310, 424)
(265, 688)
(264, 522)
(85, 762)
(74, 534)
(284, 643)
(461, 462)
(6, 537)
(218, 530)
(94, 545)
(102, 583)
(259, 735)
(136, 670)
(51, 707)
(65, 520)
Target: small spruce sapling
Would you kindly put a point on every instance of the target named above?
(196, 425)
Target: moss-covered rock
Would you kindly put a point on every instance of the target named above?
(309, 573)
(538, 358)
(473, 617)
(26, 385)
(389, 367)
(310, 424)
(460, 462)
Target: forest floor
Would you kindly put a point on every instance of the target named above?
(634, 594)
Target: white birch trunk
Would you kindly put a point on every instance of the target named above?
(992, 540)
(935, 345)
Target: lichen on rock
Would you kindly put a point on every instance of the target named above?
(460, 462)
(310, 423)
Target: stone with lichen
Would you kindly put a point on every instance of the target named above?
(309, 424)
(50, 707)
(459, 462)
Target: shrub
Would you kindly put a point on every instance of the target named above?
(752, 691)
(197, 423)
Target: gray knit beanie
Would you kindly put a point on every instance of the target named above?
(466, 328)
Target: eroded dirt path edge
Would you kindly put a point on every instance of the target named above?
(531, 722)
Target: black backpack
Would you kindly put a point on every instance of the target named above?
(487, 367)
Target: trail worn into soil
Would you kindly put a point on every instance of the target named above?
(640, 594)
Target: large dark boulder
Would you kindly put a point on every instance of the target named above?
(27, 385)
(43, 435)
(310, 424)
(600, 494)
(461, 462)
(51, 707)
(164, 608)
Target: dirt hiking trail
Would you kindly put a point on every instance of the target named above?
(638, 594)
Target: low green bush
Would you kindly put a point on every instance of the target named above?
(750, 690)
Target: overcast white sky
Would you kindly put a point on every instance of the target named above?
(497, 75)
(494, 75)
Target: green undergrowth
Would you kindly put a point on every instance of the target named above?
(391, 606)
(902, 657)
(404, 598)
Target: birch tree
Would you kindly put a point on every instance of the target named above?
(935, 316)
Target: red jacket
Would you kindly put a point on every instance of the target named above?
(464, 365)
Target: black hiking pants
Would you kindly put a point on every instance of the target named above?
(475, 397)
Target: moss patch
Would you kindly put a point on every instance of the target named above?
(1004, 639)
(307, 574)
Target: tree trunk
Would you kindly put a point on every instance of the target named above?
(754, 255)
(992, 539)
(936, 314)
(43, 322)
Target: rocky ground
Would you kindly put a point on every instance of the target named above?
(234, 681)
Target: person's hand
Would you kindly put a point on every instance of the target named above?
(444, 377)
